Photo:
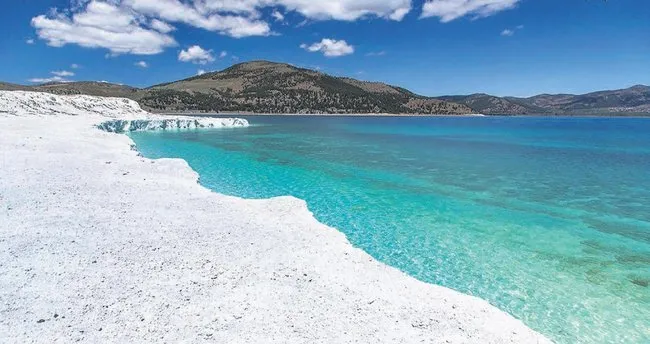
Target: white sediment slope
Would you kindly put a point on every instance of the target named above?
(116, 115)
(100, 245)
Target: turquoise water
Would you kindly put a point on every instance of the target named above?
(546, 218)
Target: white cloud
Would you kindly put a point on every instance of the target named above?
(161, 26)
(62, 73)
(101, 25)
(200, 72)
(199, 14)
(59, 76)
(302, 23)
(75, 66)
(511, 32)
(30, 41)
(196, 54)
(278, 16)
(142, 64)
(48, 80)
(448, 10)
(348, 10)
(143, 27)
(399, 13)
(330, 47)
(223, 54)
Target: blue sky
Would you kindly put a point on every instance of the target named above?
(433, 47)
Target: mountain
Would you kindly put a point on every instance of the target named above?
(268, 87)
(633, 100)
(487, 104)
(264, 87)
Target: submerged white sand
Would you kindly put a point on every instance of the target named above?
(98, 244)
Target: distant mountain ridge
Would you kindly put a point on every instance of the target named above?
(270, 87)
(633, 100)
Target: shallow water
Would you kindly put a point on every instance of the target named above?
(546, 218)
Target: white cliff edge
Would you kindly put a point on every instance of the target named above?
(22, 103)
(122, 115)
(121, 126)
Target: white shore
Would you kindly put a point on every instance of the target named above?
(100, 245)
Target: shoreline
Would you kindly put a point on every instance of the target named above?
(389, 115)
(104, 245)
(254, 114)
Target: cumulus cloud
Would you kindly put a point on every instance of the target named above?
(348, 10)
(30, 41)
(75, 66)
(223, 54)
(142, 64)
(315, 9)
(101, 25)
(330, 47)
(62, 73)
(143, 27)
(202, 15)
(161, 26)
(196, 54)
(59, 76)
(48, 80)
(448, 10)
(200, 72)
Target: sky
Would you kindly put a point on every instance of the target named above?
(432, 47)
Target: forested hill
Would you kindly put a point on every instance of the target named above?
(269, 87)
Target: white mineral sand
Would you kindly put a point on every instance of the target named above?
(100, 245)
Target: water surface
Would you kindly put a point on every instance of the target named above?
(546, 218)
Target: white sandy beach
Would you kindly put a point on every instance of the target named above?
(100, 245)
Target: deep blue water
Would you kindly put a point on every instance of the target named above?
(546, 218)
